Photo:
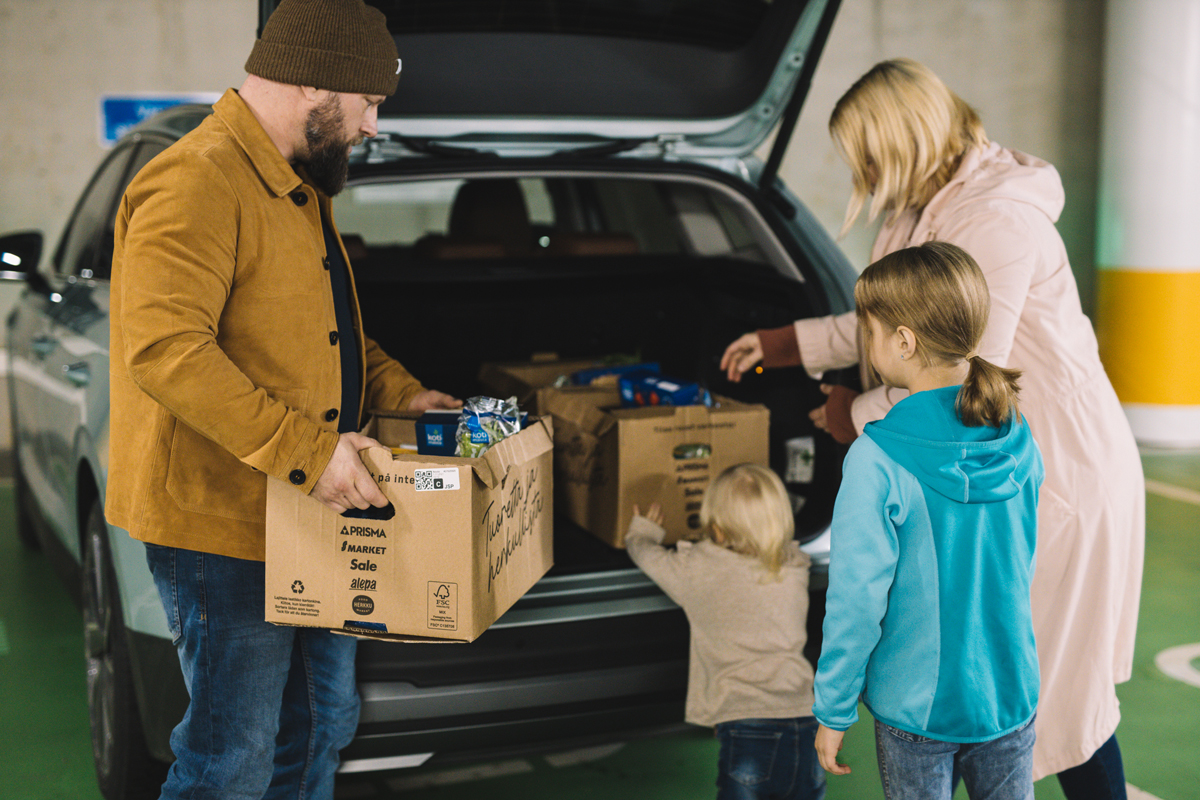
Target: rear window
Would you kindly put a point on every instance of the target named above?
(564, 216)
(717, 24)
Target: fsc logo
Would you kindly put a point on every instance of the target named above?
(443, 606)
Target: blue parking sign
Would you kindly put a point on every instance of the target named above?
(119, 113)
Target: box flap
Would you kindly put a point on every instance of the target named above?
(531, 442)
(490, 468)
(585, 407)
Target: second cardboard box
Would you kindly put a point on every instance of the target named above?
(608, 459)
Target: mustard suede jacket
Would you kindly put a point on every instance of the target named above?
(222, 368)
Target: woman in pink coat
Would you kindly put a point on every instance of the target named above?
(922, 155)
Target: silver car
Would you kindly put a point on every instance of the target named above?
(578, 179)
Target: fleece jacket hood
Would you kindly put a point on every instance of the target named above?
(968, 464)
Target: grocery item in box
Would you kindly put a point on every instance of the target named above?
(436, 432)
(483, 422)
(585, 377)
(655, 390)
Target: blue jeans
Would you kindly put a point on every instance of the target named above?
(769, 758)
(916, 768)
(271, 706)
(1101, 777)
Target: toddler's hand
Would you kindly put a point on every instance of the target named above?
(653, 513)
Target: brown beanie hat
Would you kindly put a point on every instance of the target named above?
(336, 45)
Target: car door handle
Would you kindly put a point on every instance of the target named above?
(78, 373)
(43, 345)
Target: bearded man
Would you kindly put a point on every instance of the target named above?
(237, 352)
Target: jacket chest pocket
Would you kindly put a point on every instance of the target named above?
(282, 255)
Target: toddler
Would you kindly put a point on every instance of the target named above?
(744, 588)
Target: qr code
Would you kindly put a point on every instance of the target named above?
(435, 480)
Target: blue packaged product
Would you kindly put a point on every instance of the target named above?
(584, 377)
(655, 390)
(435, 432)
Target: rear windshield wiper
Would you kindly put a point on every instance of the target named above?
(610, 148)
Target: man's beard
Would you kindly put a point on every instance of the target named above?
(328, 160)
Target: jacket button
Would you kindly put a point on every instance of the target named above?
(325, 262)
(299, 198)
(297, 477)
(333, 337)
(331, 415)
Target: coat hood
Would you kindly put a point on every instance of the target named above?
(996, 172)
(966, 464)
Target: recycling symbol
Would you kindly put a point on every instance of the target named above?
(297, 587)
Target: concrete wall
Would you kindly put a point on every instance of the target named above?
(1031, 67)
(58, 57)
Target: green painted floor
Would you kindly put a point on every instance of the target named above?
(45, 752)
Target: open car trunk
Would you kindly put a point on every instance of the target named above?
(582, 260)
(443, 319)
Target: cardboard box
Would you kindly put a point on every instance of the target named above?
(469, 536)
(528, 381)
(608, 459)
(523, 379)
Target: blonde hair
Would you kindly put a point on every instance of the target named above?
(903, 133)
(749, 505)
(938, 291)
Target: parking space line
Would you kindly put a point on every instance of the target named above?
(1173, 492)
(1176, 662)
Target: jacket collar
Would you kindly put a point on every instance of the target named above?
(270, 164)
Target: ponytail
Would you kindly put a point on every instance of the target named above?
(938, 291)
(989, 394)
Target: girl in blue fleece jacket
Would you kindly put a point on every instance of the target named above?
(927, 615)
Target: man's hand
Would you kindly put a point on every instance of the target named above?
(740, 356)
(429, 400)
(346, 483)
(828, 744)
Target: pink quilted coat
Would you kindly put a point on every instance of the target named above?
(1000, 207)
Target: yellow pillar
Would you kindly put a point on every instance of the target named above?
(1148, 238)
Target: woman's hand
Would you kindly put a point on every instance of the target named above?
(740, 356)
(829, 744)
(819, 415)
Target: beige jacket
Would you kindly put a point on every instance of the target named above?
(747, 637)
(1000, 207)
(222, 368)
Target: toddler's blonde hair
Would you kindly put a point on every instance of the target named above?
(750, 506)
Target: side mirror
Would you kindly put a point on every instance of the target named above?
(19, 255)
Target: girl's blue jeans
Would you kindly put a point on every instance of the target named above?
(769, 758)
(913, 767)
(271, 706)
